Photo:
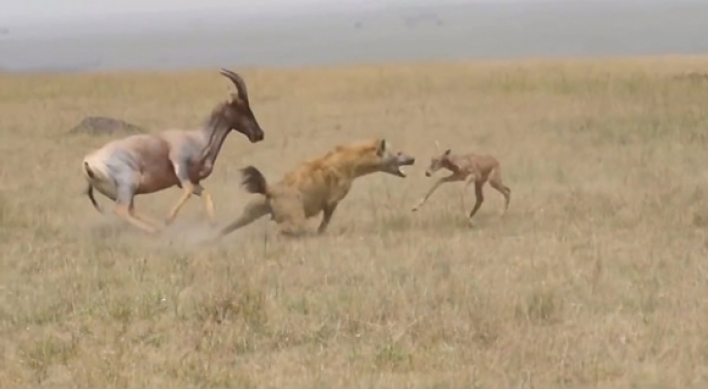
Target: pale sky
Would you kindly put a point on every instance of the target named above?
(18, 11)
(158, 34)
(29, 13)
(30, 8)
(42, 8)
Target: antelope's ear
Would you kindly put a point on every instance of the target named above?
(447, 152)
(381, 147)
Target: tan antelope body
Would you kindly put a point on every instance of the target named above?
(147, 163)
(471, 168)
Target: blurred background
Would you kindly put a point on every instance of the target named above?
(79, 35)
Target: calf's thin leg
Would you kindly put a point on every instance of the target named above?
(479, 197)
(495, 181)
(433, 188)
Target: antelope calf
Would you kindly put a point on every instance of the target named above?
(147, 163)
(471, 168)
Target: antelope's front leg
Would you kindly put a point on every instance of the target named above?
(181, 171)
(432, 189)
(187, 191)
(208, 203)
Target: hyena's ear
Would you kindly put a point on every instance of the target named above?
(381, 147)
(447, 152)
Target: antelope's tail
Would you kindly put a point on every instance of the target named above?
(89, 188)
(89, 193)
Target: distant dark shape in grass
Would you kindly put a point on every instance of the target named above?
(101, 125)
(692, 77)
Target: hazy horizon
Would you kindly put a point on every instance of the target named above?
(77, 36)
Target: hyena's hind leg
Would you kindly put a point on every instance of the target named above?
(289, 214)
(254, 210)
(495, 181)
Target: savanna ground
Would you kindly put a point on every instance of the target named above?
(597, 276)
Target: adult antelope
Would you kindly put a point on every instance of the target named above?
(147, 163)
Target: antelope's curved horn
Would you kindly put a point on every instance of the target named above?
(238, 82)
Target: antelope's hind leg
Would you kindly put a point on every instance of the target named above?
(125, 209)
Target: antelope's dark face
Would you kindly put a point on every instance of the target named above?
(237, 113)
(239, 116)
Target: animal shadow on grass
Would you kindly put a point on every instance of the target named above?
(112, 230)
(447, 221)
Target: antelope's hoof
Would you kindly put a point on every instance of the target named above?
(153, 231)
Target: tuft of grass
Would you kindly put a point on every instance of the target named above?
(46, 351)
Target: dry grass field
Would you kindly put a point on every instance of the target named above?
(596, 277)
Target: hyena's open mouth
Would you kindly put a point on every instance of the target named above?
(400, 161)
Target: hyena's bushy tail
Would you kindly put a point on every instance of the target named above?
(254, 181)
